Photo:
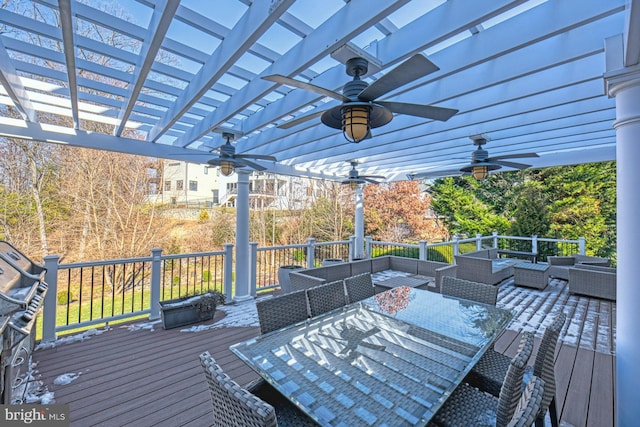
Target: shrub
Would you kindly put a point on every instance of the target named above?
(64, 297)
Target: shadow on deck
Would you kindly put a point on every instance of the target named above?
(139, 374)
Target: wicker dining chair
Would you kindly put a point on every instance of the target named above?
(233, 405)
(282, 310)
(468, 406)
(359, 287)
(258, 404)
(488, 373)
(474, 291)
(326, 297)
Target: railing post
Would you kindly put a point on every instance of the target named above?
(534, 244)
(495, 239)
(456, 246)
(156, 273)
(227, 271)
(352, 248)
(582, 245)
(367, 246)
(478, 241)
(423, 250)
(51, 298)
(311, 252)
(253, 265)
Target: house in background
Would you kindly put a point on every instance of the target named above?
(174, 182)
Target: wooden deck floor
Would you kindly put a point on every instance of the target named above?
(143, 377)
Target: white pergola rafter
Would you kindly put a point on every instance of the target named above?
(162, 17)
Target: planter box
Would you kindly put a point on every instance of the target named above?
(188, 310)
(283, 276)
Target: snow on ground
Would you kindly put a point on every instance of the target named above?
(590, 322)
(238, 314)
(65, 379)
(32, 390)
(71, 338)
(150, 326)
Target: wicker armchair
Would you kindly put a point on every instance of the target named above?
(280, 311)
(490, 370)
(468, 406)
(467, 289)
(234, 406)
(326, 297)
(359, 287)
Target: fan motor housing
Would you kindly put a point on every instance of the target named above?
(479, 155)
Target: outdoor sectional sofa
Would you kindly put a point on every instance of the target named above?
(559, 265)
(484, 266)
(410, 267)
(593, 280)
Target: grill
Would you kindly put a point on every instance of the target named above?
(22, 291)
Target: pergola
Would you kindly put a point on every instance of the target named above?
(560, 78)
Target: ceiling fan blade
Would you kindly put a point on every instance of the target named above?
(413, 68)
(256, 156)
(284, 80)
(434, 174)
(512, 164)
(426, 111)
(301, 119)
(513, 156)
(252, 165)
(372, 181)
(372, 177)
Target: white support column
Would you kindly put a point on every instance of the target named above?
(623, 83)
(359, 224)
(243, 276)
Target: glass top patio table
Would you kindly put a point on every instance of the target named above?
(389, 360)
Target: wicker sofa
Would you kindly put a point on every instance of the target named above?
(559, 265)
(484, 266)
(304, 279)
(593, 280)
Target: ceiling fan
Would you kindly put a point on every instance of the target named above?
(354, 178)
(228, 160)
(481, 163)
(361, 110)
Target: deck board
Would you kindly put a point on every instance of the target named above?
(147, 377)
(602, 387)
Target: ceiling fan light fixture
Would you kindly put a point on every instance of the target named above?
(355, 122)
(353, 184)
(480, 172)
(226, 167)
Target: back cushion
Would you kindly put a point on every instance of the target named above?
(380, 264)
(338, 271)
(359, 267)
(408, 265)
